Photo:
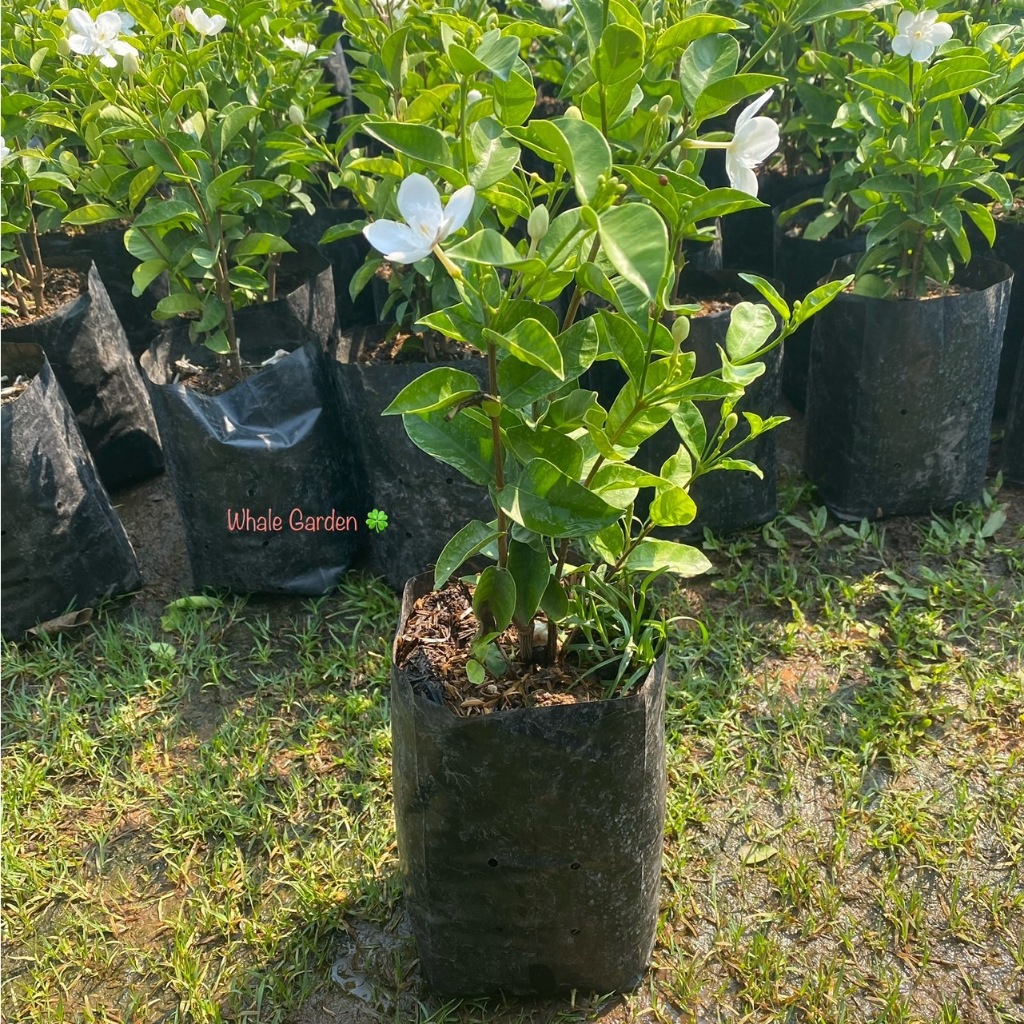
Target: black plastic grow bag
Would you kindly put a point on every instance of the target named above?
(426, 501)
(1013, 436)
(262, 473)
(63, 543)
(900, 396)
(90, 357)
(530, 841)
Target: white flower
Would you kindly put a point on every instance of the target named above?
(554, 5)
(754, 139)
(99, 38)
(426, 223)
(473, 96)
(919, 34)
(205, 24)
(299, 46)
(5, 151)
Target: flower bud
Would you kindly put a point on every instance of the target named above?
(473, 96)
(295, 114)
(665, 105)
(537, 225)
(403, 106)
(130, 63)
(575, 113)
(680, 329)
(178, 15)
(62, 46)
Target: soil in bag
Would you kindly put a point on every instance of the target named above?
(89, 354)
(530, 840)
(262, 472)
(900, 396)
(63, 543)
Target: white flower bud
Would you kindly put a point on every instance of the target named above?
(575, 113)
(665, 105)
(680, 329)
(295, 114)
(130, 62)
(537, 225)
(473, 96)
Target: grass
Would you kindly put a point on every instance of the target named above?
(197, 823)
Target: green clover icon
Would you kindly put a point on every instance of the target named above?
(377, 520)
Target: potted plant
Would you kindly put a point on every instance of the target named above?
(903, 369)
(67, 310)
(195, 136)
(527, 698)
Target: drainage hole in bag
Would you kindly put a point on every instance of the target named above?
(574, 866)
(493, 862)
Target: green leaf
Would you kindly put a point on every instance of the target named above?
(475, 672)
(554, 601)
(141, 184)
(145, 274)
(635, 240)
(178, 302)
(750, 326)
(883, 82)
(983, 220)
(706, 60)
(817, 300)
(619, 55)
(491, 248)
(464, 443)
(438, 388)
(531, 571)
(494, 600)
(221, 185)
(498, 53)
(363, 275)
(721, 95)
(680, 559)
(469, 541)
(495, 152)
(260, 243)
(672, 506)
(772, 297)
(527, 443)
(545, 500)
(247, 278)
(577, 146)
(231, 123)
(94, 213)
(719, 202)
(419, 141)
(531, 342)
(677, 37)
(159, 212)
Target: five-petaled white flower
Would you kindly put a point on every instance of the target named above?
(205, 24)
(426, 222)
(753, 140)
(919, 34)
(299, 46)
(99, 38)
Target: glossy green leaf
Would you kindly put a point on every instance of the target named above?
(494, 600)
(531, 571)
(469, 541)
(438, 388)
(545, 500)
(750, 326)
(680, 559)
(635, 240)
(464, 443)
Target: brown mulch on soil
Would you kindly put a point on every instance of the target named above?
(435, 646)
(211, 380)
(409, 347)
(719, 304)
(60, 286)
(12, 393)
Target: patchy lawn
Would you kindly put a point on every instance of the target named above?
(197, 821)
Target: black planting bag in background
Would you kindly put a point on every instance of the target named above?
(272, 442)
(88, 351)
(900, 396)
(62, 541)
(530, 841)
